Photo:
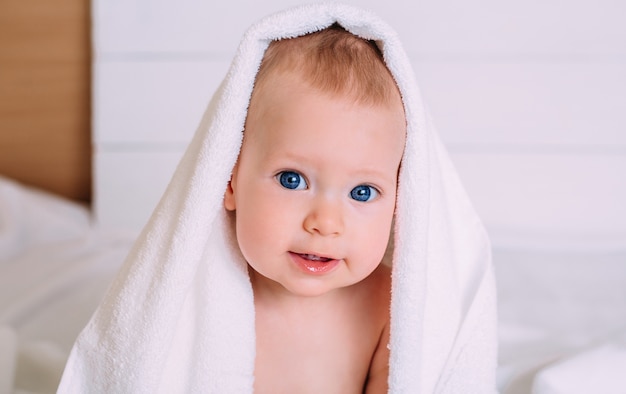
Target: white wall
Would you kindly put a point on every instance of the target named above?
(530, 98)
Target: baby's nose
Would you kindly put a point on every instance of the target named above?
(325, 217)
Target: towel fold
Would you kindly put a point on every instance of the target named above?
(180, 316)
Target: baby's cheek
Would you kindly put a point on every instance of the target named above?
(256, 229)
(380, 239)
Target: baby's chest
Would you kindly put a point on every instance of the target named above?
(308, 359)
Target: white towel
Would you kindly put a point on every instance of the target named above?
(180, 316)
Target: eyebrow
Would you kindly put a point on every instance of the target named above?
(362, 171)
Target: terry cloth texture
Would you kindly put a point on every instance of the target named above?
(180, 315)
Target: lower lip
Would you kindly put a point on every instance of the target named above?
(313, 267)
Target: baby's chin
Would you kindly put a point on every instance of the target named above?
(316, 290)
(300, 286)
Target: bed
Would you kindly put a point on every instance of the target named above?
(562, 298)
(562, 317)
(55, 265)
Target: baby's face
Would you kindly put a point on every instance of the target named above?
(314, 189)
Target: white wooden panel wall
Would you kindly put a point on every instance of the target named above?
(530, 98)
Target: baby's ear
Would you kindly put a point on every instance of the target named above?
(229, 194)
(229, 197)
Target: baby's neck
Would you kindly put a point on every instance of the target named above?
(324, 343)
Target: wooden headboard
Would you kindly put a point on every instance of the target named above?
(45, 62)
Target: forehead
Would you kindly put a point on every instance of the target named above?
(281, 88)
(289, 114)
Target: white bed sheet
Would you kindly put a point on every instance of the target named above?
(557, 303)
(55, 266)
(562, 309)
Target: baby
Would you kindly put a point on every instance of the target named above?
(265, 266)
(313, 195)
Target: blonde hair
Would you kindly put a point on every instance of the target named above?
(334, 61)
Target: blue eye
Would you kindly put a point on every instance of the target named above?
(291, 180)
(363, 193)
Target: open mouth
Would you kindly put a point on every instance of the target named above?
(313, 257)
(314, 264)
